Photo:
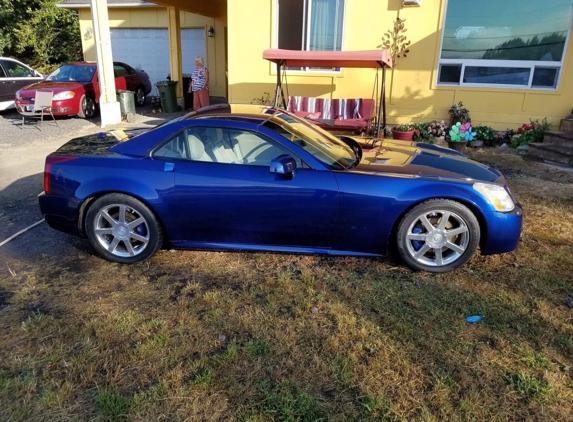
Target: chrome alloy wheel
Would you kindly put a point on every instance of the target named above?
(121, 230)
(437, 238)
(140, 97)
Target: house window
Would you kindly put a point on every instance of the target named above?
(509, 44)
(310, 25)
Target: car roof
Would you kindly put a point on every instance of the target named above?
(244, 115)
(251, 113)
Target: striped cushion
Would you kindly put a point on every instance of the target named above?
(329, 109)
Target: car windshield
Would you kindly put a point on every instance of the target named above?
(72, 73)
(325, 147)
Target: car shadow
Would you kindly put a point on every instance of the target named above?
(19, 210)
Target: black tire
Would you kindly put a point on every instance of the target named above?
(88, 107)
(133, 238)
(140, 97)
(428, 242)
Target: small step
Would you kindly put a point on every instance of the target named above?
(566, 125)
(557, 153)
(556, 137)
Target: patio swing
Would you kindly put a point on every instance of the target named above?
(355, 113)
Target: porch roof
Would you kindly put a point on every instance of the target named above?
(360, 59)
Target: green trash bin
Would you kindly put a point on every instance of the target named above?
(126, 104)
(167, 95)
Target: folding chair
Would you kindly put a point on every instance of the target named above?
(42, 103)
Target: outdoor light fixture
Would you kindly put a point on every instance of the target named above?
(211, 32)
(406, 3)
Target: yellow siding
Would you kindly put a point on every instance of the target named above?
(412, 94)
(151, 17)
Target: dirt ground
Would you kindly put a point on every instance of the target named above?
(202, 335)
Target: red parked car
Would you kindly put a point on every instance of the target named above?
(76, 88)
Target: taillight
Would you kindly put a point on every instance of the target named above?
(50, 161)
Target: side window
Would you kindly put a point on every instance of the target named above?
(16, 70)
(129, 70)
(2, 73)
(232, 146)
(119, 71)
(175, 148)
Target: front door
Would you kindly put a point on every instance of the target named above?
(227, 195)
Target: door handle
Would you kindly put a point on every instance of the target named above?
(169, 167)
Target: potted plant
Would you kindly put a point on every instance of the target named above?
(483, 134)
(421, 132)
(403, 132)
(457, 140)
(458, 113)
(437, 130)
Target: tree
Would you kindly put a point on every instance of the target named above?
(39, 33)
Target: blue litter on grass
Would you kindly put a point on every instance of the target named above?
(473, 319)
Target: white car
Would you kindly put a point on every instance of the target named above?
(13, 76)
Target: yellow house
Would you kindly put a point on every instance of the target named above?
(508, 61)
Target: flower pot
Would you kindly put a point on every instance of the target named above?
(458, 146)
(476, 144)
(402, 136)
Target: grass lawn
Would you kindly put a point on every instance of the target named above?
(268, 337)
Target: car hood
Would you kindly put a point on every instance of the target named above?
(51, 86)
(416, 160)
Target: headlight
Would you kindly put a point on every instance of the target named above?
(496, 195)
(65, 95)
(18, 95)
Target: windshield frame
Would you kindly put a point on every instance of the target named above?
(72, 68)
(324, 146)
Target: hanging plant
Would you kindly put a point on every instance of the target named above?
(395, 41)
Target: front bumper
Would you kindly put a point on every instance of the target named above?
(503, 231)
(59, 108)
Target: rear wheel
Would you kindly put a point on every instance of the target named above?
(438, 236)
(87, 107)
(122, 229)
(140, 97)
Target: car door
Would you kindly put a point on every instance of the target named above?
(5, 86)
(120, 73)
(227, 195)
(131, 78)
(13, 76)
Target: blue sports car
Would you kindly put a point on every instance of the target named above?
(256, 178)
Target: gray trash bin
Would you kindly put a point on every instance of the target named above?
(126, 104)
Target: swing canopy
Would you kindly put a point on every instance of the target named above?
(375, 59)
(360, 59)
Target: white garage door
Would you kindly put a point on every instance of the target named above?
(148, 49)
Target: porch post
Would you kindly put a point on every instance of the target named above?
(175, 61)
(109, 107)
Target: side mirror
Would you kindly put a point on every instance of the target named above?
(284, 165)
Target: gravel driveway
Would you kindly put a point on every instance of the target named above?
(22, 155)
(12, 133)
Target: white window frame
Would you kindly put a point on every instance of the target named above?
(532, 65)
(306, 37)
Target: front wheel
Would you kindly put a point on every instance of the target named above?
(438, 236)
(122, 229)
(87, 107)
